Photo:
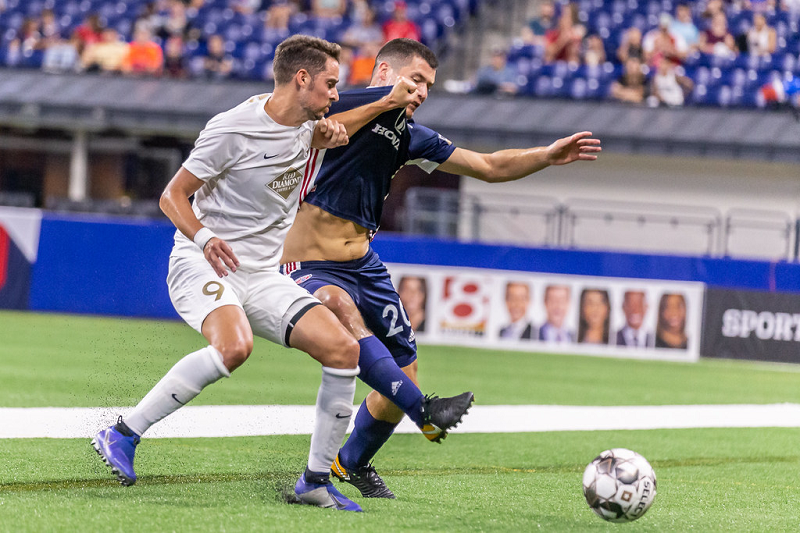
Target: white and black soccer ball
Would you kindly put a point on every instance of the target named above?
(619, 485)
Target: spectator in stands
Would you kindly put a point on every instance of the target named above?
(556, 306)
(362, 64)
(364, 31)
(144, 56)
(761, 38)
(563, 43)
(717, 40)
(28, 37)
(400, 26)
(593, 51)
(667, 87)
(497, 77)
(276, 21)
(61, 56)
(2, 5)
(106, 55)
(245, 7)
(634, 305)
(593, 322)
(346, 56)
(175, 23)
(630, 87)
(217, 64)
(792, 6)
(326, 9)
(536, 28)
(150, 17)
(631, 45)
(683, 26)
(671, 328)
(760, 6)
(661, 43)
(712, 8)
(90, 32)
(518, 299)
(49, 28)
(174, 58)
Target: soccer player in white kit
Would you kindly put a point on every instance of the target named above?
(246, 172)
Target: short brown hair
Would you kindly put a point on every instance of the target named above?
(399, 52)
(302, 52)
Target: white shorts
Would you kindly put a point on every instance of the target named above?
(269, 299)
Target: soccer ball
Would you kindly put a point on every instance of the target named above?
(619, 485)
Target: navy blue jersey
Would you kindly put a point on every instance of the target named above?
(352, 181)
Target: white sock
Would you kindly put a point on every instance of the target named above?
(334, 408)
(178, 387)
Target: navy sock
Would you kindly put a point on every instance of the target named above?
(379, 370)
(366, 439)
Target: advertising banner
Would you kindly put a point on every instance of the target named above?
(537, 312)
(19, 245)
(752, 325)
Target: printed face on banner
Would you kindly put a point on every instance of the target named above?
(559, 313)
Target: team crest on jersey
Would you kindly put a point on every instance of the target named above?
(286, 183)
(303, 279)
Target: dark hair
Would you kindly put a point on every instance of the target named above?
(300, 52)
(400, 52)
(583, 325)
(662, 305)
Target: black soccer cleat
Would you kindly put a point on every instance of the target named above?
(365, 479)
(440, 415)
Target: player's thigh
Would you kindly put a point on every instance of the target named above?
(320, 334)
(273, 305)
(196, 290)
(342, 305)
(384, 315)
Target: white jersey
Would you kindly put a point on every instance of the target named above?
(253, 168)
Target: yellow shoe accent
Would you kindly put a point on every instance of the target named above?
(338, 470)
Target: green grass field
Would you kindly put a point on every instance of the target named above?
(708, 479)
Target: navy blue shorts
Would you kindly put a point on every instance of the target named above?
(368, 283)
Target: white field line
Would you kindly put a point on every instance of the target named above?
(252, 420)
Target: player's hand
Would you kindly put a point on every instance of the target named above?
(220, 256)
(404, 92)
(578, 147)
(329, 134)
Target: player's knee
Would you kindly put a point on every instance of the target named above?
(235, 352)
(344, 352)
(339, 303)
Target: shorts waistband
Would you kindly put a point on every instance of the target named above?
(355, 264)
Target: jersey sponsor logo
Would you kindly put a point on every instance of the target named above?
(400, 123)
(286, 183)
(303, 279)
(389, 134)
(396, 387)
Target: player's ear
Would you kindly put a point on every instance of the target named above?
(302, 78)
(383, 71)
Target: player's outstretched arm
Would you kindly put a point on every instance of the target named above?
(509, 165)
(403, 93)
(175, 204)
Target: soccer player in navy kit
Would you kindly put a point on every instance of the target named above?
(327, 250)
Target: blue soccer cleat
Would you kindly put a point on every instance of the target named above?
(323, 495)
(117, 451)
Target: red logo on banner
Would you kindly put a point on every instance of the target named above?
(465, 305)
(4, 245)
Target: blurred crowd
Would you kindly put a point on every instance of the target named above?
(176, 39)
(656, 52)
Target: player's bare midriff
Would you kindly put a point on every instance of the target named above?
(317, 235)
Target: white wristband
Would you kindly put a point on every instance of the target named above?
(202, 237)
